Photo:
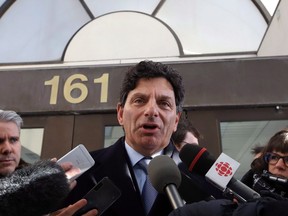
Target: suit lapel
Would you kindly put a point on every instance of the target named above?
(120, 171)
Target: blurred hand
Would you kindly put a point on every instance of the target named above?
(71, 209)
(69, 170)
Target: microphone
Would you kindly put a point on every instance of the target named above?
(166, 178)
(275, 178)
(199, 160)
(36, 189)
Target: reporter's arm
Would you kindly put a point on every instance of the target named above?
(71, 209)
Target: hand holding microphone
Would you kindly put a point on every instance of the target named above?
(37, 189)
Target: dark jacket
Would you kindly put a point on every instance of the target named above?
(113, 162)
(261, 183)
(219, 207)
(266, 206)
(248, 179)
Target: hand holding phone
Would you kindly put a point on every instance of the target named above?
(100, 197)
(80, 159)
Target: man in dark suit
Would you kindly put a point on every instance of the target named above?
(149, 110)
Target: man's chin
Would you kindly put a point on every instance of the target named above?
(150, 144)
(6, 170)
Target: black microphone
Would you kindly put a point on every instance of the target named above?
(274, 178)
(199, 160)
(36, 189)
(166, 178)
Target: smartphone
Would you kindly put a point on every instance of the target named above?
(81, 160)
(100, 197)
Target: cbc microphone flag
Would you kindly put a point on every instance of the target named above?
(222, 171)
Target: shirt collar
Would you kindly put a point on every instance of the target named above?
(136, 156)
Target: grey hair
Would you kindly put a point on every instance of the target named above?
(11, 116)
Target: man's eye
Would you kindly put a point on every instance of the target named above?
(139, 101)
(165, 104)
(14, 140)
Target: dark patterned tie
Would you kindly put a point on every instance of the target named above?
(148, 193)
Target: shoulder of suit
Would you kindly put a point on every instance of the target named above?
(108, 151)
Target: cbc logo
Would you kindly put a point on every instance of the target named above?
(224, 169)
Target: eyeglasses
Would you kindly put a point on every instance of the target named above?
(273, 158)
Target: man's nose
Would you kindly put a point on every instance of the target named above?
(151, 108)
(6, 147)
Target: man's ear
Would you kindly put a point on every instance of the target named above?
(120, 113)
(178, 115)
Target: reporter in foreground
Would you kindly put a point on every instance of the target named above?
(36, 189)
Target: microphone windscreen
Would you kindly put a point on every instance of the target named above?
(33, 190)
(162, 171)
(196, 158)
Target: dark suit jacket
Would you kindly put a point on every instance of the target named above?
(114, 163)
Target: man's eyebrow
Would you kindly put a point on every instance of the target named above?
(138, 94)
(166, 97)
